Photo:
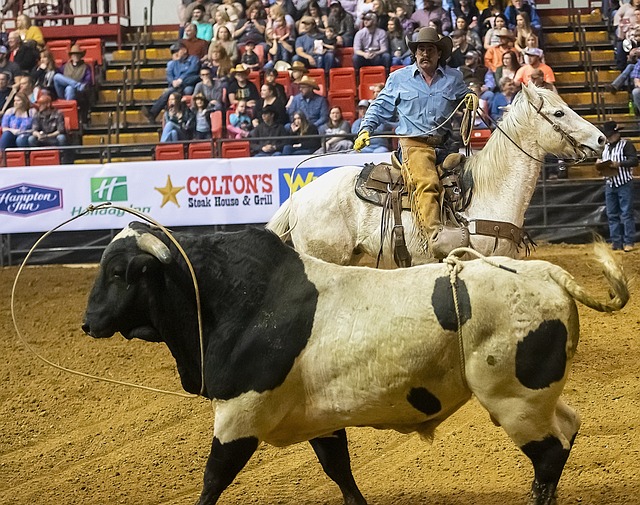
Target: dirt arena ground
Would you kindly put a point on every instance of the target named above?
(67, 440)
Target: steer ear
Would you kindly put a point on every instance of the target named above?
(140, 265)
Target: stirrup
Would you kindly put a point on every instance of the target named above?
(395, 162)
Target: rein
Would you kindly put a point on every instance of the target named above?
(150, 220)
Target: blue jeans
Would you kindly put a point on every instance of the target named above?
(383, 59)
(8, 139)
(325, 61)
(396, 60)
(172, 133)
(59, 140)
(67, 87)
(619, 205)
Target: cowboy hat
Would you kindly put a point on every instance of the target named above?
(298, 65)
(505, 32)
(534, 51)
(430, 36)
(283, 66)
(76, 49)
(609, 128)
(308, 81)
(240, 69)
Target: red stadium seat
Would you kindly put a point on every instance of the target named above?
(395, 67)
(16, 158)
(342, 79)
(169, 152)
(343, 99)
(59, 49)
(345, 56)
(217, 125)
(93, 47)
(239, 149)
(45, 157)
(256, 78)
(368, 77)
(200, 150)
(349, 116)
(479, 137)
(318, 75)
(285, 79)
(69, 109)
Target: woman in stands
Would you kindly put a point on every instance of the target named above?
(221, 18)
(473, 39)
(488, 16)
(253, 27)
(43, 74)
(336, 125)
(342, 22)
(179, 121)
(522, 31)
(301, 127)
(270, 77)
(217, 59)
(491, 38)
(314, 10)
(509, 67)
(269, 96)
(28, 31)
(279, 36)
(400, 53)
(225, 39)
(213, 90)
(16, 125)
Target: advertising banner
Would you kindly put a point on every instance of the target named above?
(175, 193)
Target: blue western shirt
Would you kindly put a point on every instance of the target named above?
(179, 69)
(420, 107)
(315, 108)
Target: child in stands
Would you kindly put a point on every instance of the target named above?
(202, 117)
(240, 121)
(250, 58)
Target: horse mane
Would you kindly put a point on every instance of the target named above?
(491, 165)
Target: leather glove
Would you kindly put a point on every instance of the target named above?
(362, 141)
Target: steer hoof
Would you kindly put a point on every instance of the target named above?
(542, 497)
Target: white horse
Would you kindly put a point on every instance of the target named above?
(326, 219)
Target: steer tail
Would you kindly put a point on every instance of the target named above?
(618, 282)
(279, 223)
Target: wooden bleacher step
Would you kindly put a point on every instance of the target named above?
(152, 53)
(125, 138)
(106, 96)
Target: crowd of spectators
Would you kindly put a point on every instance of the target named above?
(496, 47)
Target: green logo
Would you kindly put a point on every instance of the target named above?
(108, 189)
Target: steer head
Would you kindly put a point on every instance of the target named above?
(123, 298)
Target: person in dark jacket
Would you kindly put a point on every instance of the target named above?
(23, 54)
(300, 126)
(48, 125)
(268, 131)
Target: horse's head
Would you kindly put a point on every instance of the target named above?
(560, 130)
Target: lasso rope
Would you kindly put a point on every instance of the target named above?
(89, 209)
(455, 266)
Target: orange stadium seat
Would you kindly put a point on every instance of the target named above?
(345, 56)
(479, 137)
(395, 67)
(45, 157)
(318, 75)
(59, 49)
(343, 99)
(217, 125)
(93, 47)
(69, 109)
(239, 149)
(16, 158)
(256, 78)
(368, 77)
(342, 79)
(200, 150)
(169, 152)
(285, 79)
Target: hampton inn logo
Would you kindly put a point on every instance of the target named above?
(26, 199)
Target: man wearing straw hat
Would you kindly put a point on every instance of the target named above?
(424, 95)
(75, 76)
(315, 107)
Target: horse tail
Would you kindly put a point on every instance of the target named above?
(279, 223)
(612, 270)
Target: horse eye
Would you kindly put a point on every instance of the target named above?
(558, 113)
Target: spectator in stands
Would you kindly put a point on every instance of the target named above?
(623, 19)
(523, 75)
(408, 25)
(241, 88)
(268, 131)
(509, 67)
(342, 22)
(182, 76)
(26, 56)
(363, 7)
(204, 29)
(234, 10)
(618, 191)
(48, 125)
(376, 89)
(269, 97)
(225, 40)
(28, 31)
(523, 30)
(250, 58)
(301, 127)
(221, 18)
(309, 48)
(44, 73)
(270, 77)
(519, 6)
(253, 27)
(531, 42)
(624, 80)
(489, 16)
(370, 45)
(218, 60)
(467, 10)
(376, 144)
(313, 10)
(379, 8)
(15, 6)
(336, 125)
(5, 89)
(493, 55)
(432, 9)
(208, 7)
(179, 120)
(8, 67)
(213, 91)
(400, 53)
(195, 46)
(491, 37)
(503, 98)
(472, 37)
(106, 7)
(74, 76)
(298, 71)
(16, 125)
(461, 47)
(202, 115)
(240, 122)
(474, 72)
(279, 37)
(313, 106)
(24, 84)
(537, 78)
(289, 7)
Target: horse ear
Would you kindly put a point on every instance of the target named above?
(530, 91)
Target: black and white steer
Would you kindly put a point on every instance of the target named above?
(298, 349)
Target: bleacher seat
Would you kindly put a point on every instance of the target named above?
(69, 109)
(479, 137)
(59, 49)
(285, 79)
(368, 77)
(93, 47)
(256, 78)
(345, 56)
(395, 67)
(342, 79)
(318, 75)
(343, 99)
(349, 116)
(169, 152)
(44, 157)
(16, 158)
(239, 149)
(200, 150)
(217, 126)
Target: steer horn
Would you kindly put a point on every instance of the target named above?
(153, 245)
